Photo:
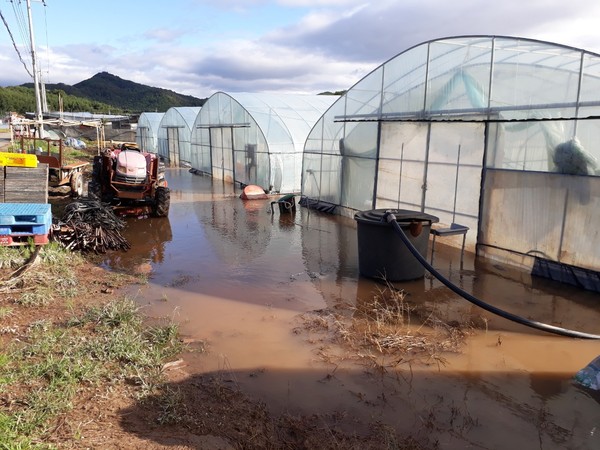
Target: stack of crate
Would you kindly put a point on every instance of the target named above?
(22, 223)
(24, 184)
(25, 215)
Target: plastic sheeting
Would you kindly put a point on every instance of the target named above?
(147, 131)
(255, 138)
(443, 126)
(563, 273)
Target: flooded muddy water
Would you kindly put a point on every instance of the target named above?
(239, 278)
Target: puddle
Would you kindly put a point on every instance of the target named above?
(238, 277)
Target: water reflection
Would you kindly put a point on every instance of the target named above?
(215, 243)
(239, 275)
(239, 231)
(148, 237)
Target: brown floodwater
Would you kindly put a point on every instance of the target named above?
(238, 277)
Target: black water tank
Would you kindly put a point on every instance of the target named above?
(381, 252)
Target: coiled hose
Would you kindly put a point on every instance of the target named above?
(390, 218)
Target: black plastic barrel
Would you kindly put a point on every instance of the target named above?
(381, 252)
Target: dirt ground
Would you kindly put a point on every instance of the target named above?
(204, 412)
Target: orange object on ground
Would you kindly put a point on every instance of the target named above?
(253, 192)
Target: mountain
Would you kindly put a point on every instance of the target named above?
(124, 94)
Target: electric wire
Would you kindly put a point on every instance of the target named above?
(47, 42)
(15, 44)
(391, 218)
(22, 25)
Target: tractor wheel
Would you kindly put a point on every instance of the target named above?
(97, 168)
(76, 184)
(162, 202)
(94, 190)
(97, 172)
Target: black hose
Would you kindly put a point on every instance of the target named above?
(391, 218)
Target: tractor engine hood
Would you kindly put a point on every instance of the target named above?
(131, 166)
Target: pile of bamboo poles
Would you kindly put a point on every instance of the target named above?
(88, 225)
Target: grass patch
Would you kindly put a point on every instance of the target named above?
(39, 281)
(5, 311)
(58, 348)
(11, 257)
(41, 375)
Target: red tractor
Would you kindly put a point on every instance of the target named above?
(129, 177)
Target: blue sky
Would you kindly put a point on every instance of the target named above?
(198, 47)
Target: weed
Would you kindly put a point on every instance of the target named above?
(39, 297)
(11, 257)
(55, 361)
(172, 407)
(55, 254)
(381, 332)
(5, 312)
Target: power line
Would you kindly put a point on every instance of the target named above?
(21, 24)
(15, 44)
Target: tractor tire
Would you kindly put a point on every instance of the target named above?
(162, 202)
(94, 190)
(76, 184)
(97, 169)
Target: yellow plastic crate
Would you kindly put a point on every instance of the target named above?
(18, 159)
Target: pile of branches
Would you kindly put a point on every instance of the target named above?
(88, 225)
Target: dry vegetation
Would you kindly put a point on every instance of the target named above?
(387, 331)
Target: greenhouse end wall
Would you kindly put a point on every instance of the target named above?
(253, 138)
(495, 133)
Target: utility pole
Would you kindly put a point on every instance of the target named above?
(39, 117)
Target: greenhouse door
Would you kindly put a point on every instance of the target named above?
(221, 140)
(173, 145)
(453, 176)
(432, 167)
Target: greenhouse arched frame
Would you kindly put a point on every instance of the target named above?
(146, 134)
(174, 135)
(256, 138)
(496, 133)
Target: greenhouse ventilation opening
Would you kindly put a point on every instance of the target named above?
(525, 115)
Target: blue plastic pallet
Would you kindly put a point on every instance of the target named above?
(25, 218)
(24, 229)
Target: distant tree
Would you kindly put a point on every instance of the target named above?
(333, 93)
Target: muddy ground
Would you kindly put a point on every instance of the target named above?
(271, 297)
(288, 349)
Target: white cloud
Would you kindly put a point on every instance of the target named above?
(331, 47)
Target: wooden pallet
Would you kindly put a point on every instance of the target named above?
(24, 184)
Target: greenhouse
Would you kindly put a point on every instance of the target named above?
(494, 134)
(147, 131)
(174, 135)
(255, 139)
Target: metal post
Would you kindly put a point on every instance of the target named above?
(36, 81)
(456, 185)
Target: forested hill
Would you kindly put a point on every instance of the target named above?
(128, 95)
(103, 93)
